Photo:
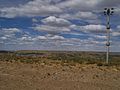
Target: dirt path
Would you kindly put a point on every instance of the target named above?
(19, 76)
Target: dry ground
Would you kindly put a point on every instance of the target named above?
(19, 76)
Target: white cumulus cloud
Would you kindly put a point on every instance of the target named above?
(32, 8)
(53, 21)
(91, 28)
(51, 29)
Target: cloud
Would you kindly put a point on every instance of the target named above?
(11, 3)
(118, 27)
(56, 37)
(79, 4)
(100, 37)
(53, 21)
(52, 42)
(86, 15)
(64, 25)
(34, 20)
(8, 33)
(80, 15)
(48, 37)
(93, 27)
(3, 38)
(55, 7)
(109, 3)
(51, 29)
(90, 28)
(40, 38)
(88, 5)
(26, 39)
(53, 25)
(9, 30)
(115, 34)
(32, 8)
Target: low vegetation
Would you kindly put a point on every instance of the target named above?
(61, 56)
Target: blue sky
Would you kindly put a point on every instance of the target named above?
(77, 25)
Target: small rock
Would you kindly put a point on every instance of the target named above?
(48, 74)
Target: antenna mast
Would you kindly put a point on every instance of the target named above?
(108, 12)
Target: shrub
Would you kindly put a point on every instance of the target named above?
(100, 64)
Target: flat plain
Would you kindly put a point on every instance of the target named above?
(43, 70)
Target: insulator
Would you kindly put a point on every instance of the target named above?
(108, 44)
(108, 27)
(112, 11)
(105, 8)
(112, 8)
(104, 11)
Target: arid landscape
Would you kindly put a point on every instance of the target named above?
(26, 70)
(59, 44)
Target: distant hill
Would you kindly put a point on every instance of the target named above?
(115, 53)
(3, 51)
(45, 51)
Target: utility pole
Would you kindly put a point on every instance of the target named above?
(108, 12)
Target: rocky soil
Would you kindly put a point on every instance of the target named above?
(20, 76)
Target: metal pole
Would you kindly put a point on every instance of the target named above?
(108, 12)
(108, 39)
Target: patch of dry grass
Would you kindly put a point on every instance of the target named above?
(62, 58)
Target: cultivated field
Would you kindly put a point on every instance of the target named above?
(54, 70)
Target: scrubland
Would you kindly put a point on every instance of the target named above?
(59, 70)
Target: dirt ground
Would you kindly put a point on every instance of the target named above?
(19, 76)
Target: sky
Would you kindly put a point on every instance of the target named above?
(72, 25)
